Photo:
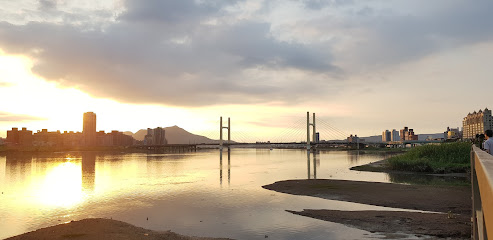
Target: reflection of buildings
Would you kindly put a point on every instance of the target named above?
(88, 170)
(353, 157)
(476, 123)
(18, 166)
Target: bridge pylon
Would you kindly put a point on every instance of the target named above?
(308, 124)
(221, 132)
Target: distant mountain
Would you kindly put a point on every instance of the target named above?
(175, 135)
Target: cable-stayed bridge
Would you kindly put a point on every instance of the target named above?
(301, 132)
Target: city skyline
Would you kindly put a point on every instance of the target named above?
(363, 66)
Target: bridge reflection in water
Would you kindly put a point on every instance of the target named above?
(221, 166)
(316, 163)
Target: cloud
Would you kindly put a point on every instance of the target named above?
(394, 35)
(196, 53)
(8, 117)
(47, 4)
(138, 59)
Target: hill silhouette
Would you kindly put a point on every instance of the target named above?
(175, 135)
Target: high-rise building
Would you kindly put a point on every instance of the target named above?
(407, 134)
(394, 137)
(156, 136)
(452, 133)
(403, 133)
(386, 136)
(45, 138)
(89, 129)
(476, 123)
(20, 138)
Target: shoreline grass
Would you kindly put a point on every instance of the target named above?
(442, 158)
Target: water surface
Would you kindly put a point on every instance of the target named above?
(204, 193)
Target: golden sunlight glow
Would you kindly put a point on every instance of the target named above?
(60, 108)
(62, 186)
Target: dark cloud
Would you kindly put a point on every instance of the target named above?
(149, 56)
(319, 4)
(8, 117)
(168, 12)
(394, 38)
(168, 52)
(47, 4)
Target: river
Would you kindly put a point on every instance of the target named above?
(203, 193)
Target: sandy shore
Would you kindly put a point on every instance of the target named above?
(99, 228)
(454, 203)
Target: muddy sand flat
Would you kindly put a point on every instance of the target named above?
(431, 224)
(455, 199)
(452, 204)
(99, 228)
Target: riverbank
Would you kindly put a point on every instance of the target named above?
(100, 228)
(453, 202)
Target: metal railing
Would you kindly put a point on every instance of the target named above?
(482, 193)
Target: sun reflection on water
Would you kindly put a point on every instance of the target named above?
(62, 186)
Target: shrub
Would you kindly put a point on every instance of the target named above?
(442, 158)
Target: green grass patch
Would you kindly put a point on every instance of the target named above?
(442, 158)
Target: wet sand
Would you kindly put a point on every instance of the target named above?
(452, 204)
(99, 228)
(456, 199)
(430, 224)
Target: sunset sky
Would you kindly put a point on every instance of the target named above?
(362, 66)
